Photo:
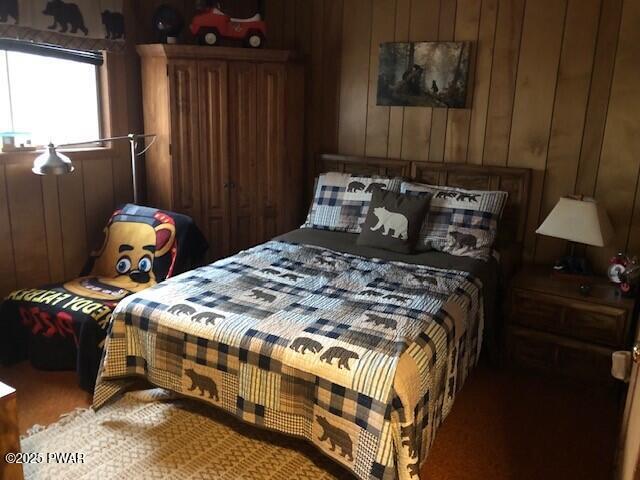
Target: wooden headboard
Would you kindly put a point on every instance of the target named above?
(515, 181)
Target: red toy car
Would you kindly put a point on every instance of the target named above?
(210, 25)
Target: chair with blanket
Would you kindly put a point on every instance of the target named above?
(63, 326)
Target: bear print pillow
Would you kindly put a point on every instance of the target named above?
(393, 221)
(460, 222)
(341, 200)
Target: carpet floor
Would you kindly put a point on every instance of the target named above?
(153, 434)
(504, 424)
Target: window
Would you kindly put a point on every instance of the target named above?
(50, 99)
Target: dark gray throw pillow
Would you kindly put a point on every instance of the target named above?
(393, 221)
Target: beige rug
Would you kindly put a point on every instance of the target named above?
(152, 435)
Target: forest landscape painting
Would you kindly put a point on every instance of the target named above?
(423, 74)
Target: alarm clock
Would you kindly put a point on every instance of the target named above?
(617, 267)
(624, 272)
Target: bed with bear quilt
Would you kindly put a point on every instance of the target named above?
(360, 356)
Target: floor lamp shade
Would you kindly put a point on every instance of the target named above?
(578, 220)
(52, 162)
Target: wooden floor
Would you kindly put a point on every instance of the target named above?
(504, 425)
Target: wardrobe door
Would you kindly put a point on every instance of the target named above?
(271, 149)
(214, 158)
(184, 147)
(242, 154)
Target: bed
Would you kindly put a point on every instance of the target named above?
(360, 351)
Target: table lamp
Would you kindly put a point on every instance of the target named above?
(578, 220)
(52, 162)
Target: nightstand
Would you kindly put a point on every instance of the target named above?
(552, 327)
(9, 438)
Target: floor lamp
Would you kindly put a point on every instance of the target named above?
(52, 162)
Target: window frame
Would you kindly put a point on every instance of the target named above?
(102, 86)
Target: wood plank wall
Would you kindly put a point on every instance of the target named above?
(48, 225)
(554, 88)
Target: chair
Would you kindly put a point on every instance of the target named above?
(63, 326)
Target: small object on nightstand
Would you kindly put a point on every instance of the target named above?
(553, 327)
(624, 271)
(579, 220)
(585, 289)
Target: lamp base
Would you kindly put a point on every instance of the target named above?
(575, 270)
(573, 265)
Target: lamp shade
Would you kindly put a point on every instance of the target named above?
(581, 221)
(52, 162)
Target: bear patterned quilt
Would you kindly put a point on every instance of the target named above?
(362, 357)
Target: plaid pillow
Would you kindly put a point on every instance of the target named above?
(341, 200)
(460, 222)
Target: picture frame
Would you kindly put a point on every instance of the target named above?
(424, 74)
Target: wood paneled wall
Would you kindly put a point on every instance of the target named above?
(554, 88)
(48, 225)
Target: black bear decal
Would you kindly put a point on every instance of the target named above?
(452, 386)
(397, 298)
(454, 354)
(65, 15)
(342, 354)
(182, 309)
(337, 437)
(203, 383)
(468, 197)
(355, 187)
(114, 24)
(303, 344)
(208, 318)
(408, 432)
(260, 295)
(425, 279)
(270, 271)
(325, 261)
(465, 239)
(413, 469)
(377, 320)
(373, 185)
(8, 8)
(291, 276)
(446, 194)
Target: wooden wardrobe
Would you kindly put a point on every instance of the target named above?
(229, 151)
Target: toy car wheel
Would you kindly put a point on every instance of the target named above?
(209, 36)
(255, 40)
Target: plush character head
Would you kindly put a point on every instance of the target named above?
(124, 263)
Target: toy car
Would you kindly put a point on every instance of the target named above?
(210, 25)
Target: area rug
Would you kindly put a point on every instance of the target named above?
(152, 434)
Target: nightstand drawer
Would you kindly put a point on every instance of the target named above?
(536, 311)
(603, 327)
(540, 351)
(529, 351)
(580, 320)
